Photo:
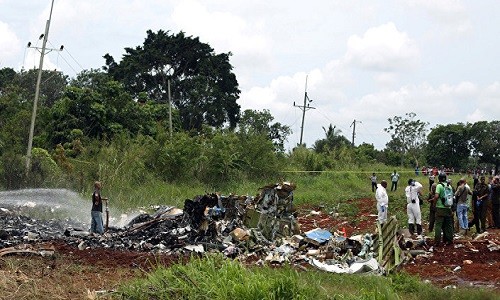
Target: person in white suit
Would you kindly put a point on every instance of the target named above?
(382, 201)
(413, 193)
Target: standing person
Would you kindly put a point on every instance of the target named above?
(475, 177)
(373, 179)
(382, 201)
(481, 191)
(444, 215)
(495, 201)
(454, 205)
(461, 195)
(431, 180)
(489, 206)
(394, 180)
(432, 207)
(412, 192)
(96, 225)
(424, 170)
(475, 212)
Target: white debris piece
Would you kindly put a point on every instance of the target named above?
(195, 248)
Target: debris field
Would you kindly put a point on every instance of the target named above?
(265, 229)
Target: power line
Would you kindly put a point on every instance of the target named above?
(82, 68)
(59, 55)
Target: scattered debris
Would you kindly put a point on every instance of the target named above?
(261, 229)
(41, 249)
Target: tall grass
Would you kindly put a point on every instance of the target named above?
(217, 278)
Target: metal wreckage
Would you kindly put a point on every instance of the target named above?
(263, 227)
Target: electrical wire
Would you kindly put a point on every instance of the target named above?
(74, 59)
(59, 55)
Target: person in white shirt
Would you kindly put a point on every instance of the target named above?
(382, 201)
(394, 180)
(413, 191)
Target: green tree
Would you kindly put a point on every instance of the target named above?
(203, 87)
(253, 122)
(7, 75)
(333, 140)
(367, 152)
(15, 113)
(408, 135)
(448, 145)
(99, 108)
(52, 85)
(484, 141)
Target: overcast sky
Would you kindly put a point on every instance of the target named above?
(364, 60)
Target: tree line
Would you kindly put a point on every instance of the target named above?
(120, 114)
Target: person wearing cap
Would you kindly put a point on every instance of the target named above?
(382, 201)
(481, 190)
(96, 225)
(444, 215)
(495, 200)
(413, 191)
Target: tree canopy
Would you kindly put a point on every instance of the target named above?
(408, 135)
(259, 122)
(333, 140)
(448, 145)
(203, 87)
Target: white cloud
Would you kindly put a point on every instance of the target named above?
(442, 10)
(225, 32)
(452, 14)
(386, 79)
(360, 64)
(9, 43)
(383, 48)
(475, 116)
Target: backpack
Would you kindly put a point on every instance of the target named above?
(447, 199)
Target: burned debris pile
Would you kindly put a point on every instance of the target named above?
(261, 228)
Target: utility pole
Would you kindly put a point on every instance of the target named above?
(37, 90)
(353, 125)
(169, 109)
(304, 108)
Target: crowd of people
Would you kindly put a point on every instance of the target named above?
(449, 206)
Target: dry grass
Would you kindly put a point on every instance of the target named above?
(59, 277)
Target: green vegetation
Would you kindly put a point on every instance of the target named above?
(115, 126)
(217, 278)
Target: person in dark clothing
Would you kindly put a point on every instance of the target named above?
(495, 201)
(481, 190)
(373, 179)
(96, 225)
(432, 207)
